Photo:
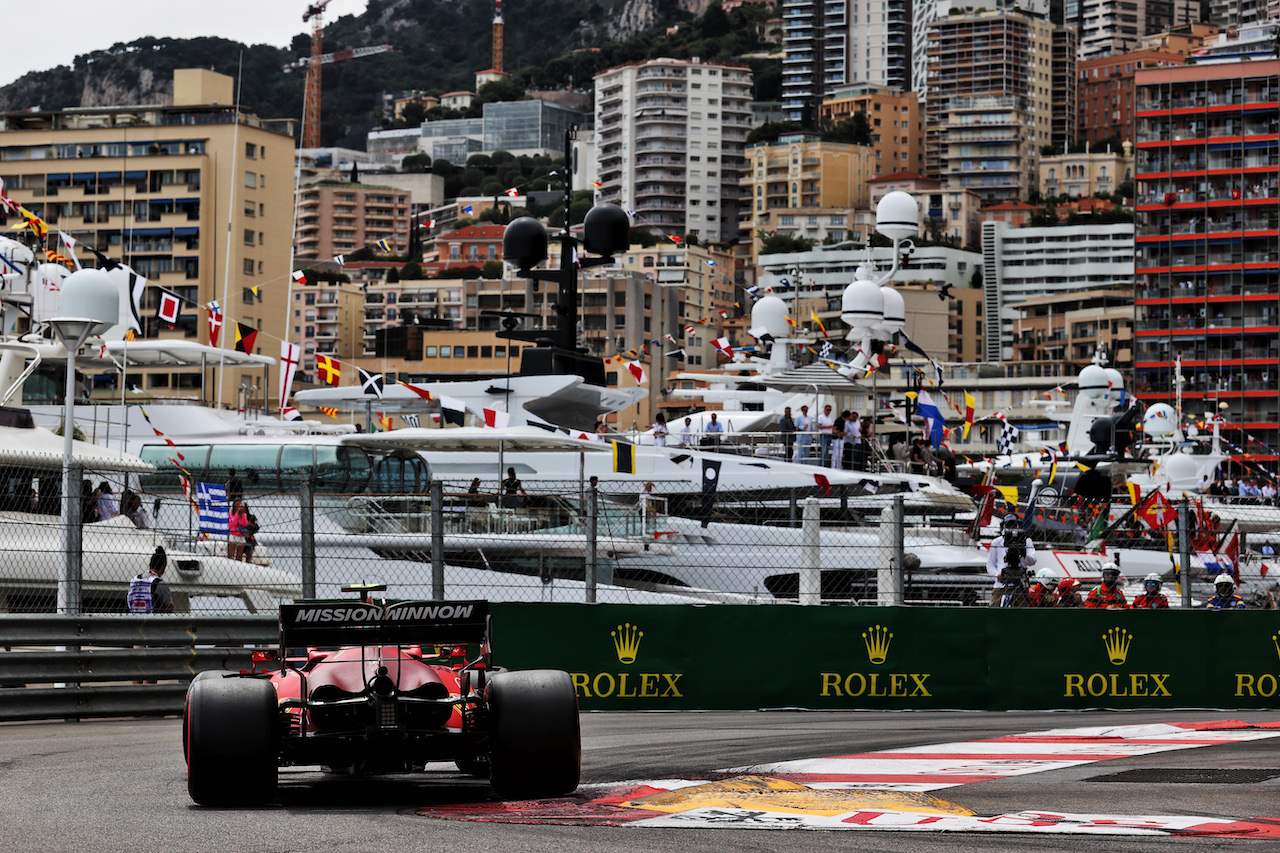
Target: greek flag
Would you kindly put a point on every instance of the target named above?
(412, 420)
(211, 500)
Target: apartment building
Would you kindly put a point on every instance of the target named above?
(802, 172)
(1207, 167)
(994, 80)
(337, 217)
(195, 196)
(1106, 93)
(328, 318)
(1083, 174)
(1023, 263)
(897, 126)
(1069, 328)
(670, 137)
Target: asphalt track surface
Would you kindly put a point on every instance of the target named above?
(120, 786)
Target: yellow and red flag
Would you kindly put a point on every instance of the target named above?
(328, 369)
(969, 403)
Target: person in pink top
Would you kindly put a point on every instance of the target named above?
(237, 520)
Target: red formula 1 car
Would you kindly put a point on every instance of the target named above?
(375, 688)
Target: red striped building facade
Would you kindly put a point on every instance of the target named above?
(1208, 245)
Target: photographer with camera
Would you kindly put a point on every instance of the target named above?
(1012, 554)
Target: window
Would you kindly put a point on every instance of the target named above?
(251, 150)
(248, 266)
(250, 179)
(248, 236)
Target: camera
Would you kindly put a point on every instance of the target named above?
(1015, 554)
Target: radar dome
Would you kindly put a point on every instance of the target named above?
(1114, 377)
(1180, 468)
(1093, 381)
(895, 314)
(898, 216)
(771, 312)
(862, 307)
(1160, 421)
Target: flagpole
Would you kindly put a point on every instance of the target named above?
(226, 263)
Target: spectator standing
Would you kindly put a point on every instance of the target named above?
(512, 490)
(237, 521)
(88, 503)
(787, 429)
(825, 422)
(715, 429)
(235, 487)
(804, 436)
(660, 430)
(853, 435)
(837, 441)
(107, 506)
(686, 433)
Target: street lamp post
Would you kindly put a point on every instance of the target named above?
(96, 299)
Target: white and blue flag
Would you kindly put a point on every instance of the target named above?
(412, 420)
(926, 409)
(211, 500)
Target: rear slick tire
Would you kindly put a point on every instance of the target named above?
(536, 741)
(233, 741)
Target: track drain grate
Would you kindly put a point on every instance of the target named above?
(1191, 776)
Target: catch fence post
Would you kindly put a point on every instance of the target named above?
(899, 548)
(307, 502)
(1184, 552)
(593, 565)
(437, 539)
(811, 554)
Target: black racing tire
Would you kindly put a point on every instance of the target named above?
(535, 746)
(474, 765)
(200, 676)
(232, 741)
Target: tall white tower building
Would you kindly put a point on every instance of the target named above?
(670, 137)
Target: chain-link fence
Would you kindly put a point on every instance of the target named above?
(493, 539)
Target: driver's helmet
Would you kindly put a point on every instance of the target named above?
(1152, 583)
(1066, 586)
(1225, 584)
(1110, 573)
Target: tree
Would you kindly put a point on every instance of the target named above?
(413, 114)
(411, 270)
(416, 163)
(781, 244)
(855, 130)
(491, 270)
(393, 276)
(442, 167)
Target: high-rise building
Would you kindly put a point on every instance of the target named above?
(1106, 93)
(829, 44)
(1208, 243)
(195, 196)
(991, 100)
(670, 136)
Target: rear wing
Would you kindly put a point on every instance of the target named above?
(357, 623)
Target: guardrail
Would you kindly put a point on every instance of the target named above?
(96, 659)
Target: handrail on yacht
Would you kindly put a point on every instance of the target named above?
(35, 359)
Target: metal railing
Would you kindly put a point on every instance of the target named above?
(81, 667)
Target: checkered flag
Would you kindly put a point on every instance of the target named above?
(1004, 444)
(825, 352)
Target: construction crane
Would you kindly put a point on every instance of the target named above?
(311, 92)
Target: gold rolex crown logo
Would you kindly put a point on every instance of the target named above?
(877, 640)
(1117, 641)
(1275, 639)
(626, 640)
